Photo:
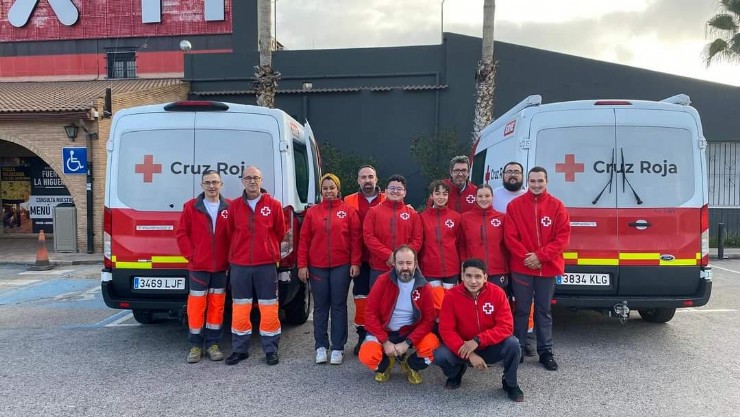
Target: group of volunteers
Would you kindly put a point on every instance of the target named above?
(436, 287)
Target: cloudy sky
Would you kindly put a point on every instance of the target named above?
(662, 35)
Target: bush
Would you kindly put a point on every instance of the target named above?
(434, 152)
(344, 165)
(731, 241)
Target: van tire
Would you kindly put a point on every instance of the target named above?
(299, 308)
(144, 316)
(657, 315)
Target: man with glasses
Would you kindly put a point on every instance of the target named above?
(257, 227)
(203, 239)
(462, 191)
(390, 225)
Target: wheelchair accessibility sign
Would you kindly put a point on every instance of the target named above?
(74, 160)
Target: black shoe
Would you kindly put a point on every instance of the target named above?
(272, 358)
(356, 349)
(548, 361)
(514, 393)
(236, 357)
(455, 381)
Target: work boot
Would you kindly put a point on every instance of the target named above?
(454, 382)
(514, 393)
(548, 361)
(214, 353)
(195, 354)
(272, 358)
(413, 376)
(386, 374)
(236, 357)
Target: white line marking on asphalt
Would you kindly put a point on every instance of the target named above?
(80, 296)
(18, 282)
(49, 272)
(726, 269)
(699, 310)
(120, 320)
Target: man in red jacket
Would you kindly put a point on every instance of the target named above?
(400, 315)
(462, 191)
(367, 197)
(257, 226)
(476, 328)
(203, 239)
(390, 225)
(536, 232)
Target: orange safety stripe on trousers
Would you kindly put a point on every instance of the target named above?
(215, 312)
(425, 348)
(269, 320)
(360, 311)
(240, 321)
(530, 324)
(196, 309)
(371, 353)
(439, 296)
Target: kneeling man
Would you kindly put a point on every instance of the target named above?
(476, 327)
(398, 317)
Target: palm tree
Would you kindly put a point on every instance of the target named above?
(485, 73)
(267, 78)
(725, 26)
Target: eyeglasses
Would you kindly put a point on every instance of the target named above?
(395, 189)
(211, 183)
(460, 171)
(250, 179)
(510, 172)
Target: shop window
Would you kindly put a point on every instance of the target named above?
(121, 64)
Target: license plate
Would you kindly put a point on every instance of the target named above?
(145, 283)
(583, 279)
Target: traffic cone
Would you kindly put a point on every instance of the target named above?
(42, 256)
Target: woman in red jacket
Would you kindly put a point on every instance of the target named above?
(482, 237)
(329, 254)
(438, 259)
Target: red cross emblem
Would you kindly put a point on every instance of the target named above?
(449, 223)
(405, 216)
(265, 211)
(415, 295)
(148, 168)
(341, 214)
(224, 214)
(488, 308)
(470, 199)
(569, 167)
(546, 221)
(495, 222)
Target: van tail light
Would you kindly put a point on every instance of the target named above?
(289, 245)
(704, 226)
(107, 231)
(612, 103)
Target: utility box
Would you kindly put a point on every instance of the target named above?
(65, 228)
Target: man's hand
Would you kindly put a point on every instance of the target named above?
(389, 262)
(467, 348)
(402, 348)
(477, 361)
(389, 348)
(354, 271)
(532, 261)
(303, 274)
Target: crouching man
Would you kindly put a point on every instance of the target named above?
(476, 327)
(399, 318)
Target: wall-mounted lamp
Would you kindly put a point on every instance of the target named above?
(71, 130)
(307, 86)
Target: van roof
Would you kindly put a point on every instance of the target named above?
(204, 105)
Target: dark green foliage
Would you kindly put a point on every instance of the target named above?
(344, 165)
(434, 152)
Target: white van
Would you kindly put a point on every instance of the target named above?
(156, 156)
(633, 177)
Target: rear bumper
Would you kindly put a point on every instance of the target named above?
(700, 298)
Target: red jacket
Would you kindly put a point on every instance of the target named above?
(482, 237)
(539, 224)
(359, 202)
(387, 227)
(438, 257)
(330, 236)
(463, 317)
(459, 201)
(256, 235)
(204, 249)
(382, 300)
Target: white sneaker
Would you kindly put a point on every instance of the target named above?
(321, 355)
(337, 356)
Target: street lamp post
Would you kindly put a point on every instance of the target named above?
(442, 21)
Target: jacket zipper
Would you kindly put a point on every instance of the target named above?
(438, 232)
(537, 227)
(328, 235)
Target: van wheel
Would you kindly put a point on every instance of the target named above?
(144, 316)
(298, 310)
(657, 315)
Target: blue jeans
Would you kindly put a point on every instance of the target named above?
(507, 352)
(330, 287)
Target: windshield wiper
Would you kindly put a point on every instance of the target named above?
(625, 179)
(608, 184)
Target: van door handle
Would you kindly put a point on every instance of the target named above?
(639, 224)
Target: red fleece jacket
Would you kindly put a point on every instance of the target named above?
(256, 235)
(388, 226)
(482, 237)
(204, 249)
(330, 236)
(438, 257)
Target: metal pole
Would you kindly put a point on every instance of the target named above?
(720, 241)
(88, 187)
(442, 22)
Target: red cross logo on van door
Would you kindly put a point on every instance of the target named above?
(569, 167)
(148, 168)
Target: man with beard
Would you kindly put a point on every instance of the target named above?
(462, 192)
(400, 315)
(513, 187)
(367, 197)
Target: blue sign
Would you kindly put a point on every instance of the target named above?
(74, 160)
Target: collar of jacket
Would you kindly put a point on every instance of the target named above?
(200, 204)
(361, 194)
(419, 280)
(394, 204)
(262, 195)
(544, 194)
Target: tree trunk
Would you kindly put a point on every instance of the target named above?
(267, 78)
(485, 73)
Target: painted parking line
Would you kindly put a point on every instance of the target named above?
(726, 269)
(49, 272)
(15, 283)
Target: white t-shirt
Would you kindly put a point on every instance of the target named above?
(212, 208)
(253, 203)
(502, 197)
(403, 314)
(370, 199)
